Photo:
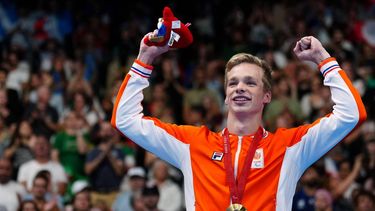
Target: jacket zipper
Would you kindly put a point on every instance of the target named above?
(237, 156)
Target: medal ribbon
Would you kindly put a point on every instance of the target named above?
(237, 188)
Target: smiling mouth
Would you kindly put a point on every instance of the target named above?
(241, 99)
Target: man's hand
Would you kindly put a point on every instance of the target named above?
(310, 49)
(147, 54)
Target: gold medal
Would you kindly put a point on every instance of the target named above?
(236, 207)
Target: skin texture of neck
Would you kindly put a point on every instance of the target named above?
(244, 124)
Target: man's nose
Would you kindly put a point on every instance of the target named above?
(240, 87)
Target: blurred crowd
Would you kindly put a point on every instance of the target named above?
(62, 63)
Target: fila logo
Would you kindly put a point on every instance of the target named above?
(218, 156)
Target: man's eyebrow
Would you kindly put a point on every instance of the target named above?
(233, 79)
(249, 78)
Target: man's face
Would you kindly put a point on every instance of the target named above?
(5, 171)
(29, 206)
(136, 183)
(245, 89)
(82, 201)
(365, 203)
(39, 188)
(151, 201)
(106, 131)
(44, 95)
(160, 170)
(41, 147)
(321, 203)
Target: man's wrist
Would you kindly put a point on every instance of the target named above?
(322, 56)
(145, 59)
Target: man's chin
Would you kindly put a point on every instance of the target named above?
(241, 110)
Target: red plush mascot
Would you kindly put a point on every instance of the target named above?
(172, 31)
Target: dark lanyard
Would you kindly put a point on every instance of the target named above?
(237, 188)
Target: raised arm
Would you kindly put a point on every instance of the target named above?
(314, 140)
(166, 141)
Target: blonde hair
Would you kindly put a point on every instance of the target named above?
(248, 58)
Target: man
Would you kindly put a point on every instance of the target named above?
(170, 193)
(104, 165)
(216, 176)
(10, 191)
(136, 178)
(364, 201)
(150, 198)
(42, 115)
(303, 199)
(41, 196)
(82, 197)
(43, 161)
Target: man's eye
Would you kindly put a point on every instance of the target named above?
(232, 83)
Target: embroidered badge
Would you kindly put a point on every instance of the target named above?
(258, 160)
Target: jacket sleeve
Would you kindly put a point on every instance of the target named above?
(310, 142)
(167, 141)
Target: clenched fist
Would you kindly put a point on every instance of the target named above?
(310, 49)
(147, 54)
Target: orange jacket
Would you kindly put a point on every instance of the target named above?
(280, 159)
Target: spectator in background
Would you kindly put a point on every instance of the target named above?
(41, 196)
(352, 72)
(82, 197)
(20, 149)
(36, 80)
(313, 101)
(339, 45)
(160, 104)
(367, 175)
(83, 105)
(323, 200)
(78, 83)
(10, 191)
(71, 145)
(172, 86)
(137, 203)
(19, 73)
(42, 115)
(13, 101)
(59, 76)
(170, 194)
(302, 76)
(136, 178)
(346, 171)
(304, 198)
(128, 149)
(4, 136)
(42, 161)
(284, 100)
(28, 206)
(105, 166)
(150, 198)
(4, 110)
(198, 94)
(342, 182)
(364, 201)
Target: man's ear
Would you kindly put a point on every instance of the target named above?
(267, 97)
(226, 100)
